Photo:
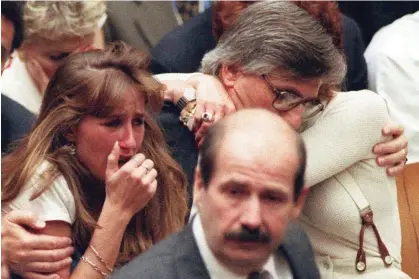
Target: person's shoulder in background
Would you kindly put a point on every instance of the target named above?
(354, 47)
(181, 50)
(16, 122)
(139, 23)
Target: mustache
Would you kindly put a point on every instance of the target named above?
(247, 235)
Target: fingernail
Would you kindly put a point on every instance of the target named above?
(380, 160)
(40, 223)
(386, 130)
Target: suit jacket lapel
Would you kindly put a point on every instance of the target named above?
(296, 249)
(291, 259)
(188, 260)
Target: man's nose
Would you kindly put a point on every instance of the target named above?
(127, 139)
(294, 116)
(251, 215)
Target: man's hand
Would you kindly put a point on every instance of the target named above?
(32, 255)
(392, 154)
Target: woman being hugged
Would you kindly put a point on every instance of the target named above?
(95, 165)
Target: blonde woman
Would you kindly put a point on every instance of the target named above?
(95, 166)
(53, 30)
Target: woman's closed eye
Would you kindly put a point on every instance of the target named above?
(58, 56)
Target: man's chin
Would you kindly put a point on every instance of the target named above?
(243, 260)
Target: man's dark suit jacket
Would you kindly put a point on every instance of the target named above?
(141, 24)
(178, 257)
(16, 121)
(181, 143)
(182, 49)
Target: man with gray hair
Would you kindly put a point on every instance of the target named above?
(246, 195)
(275, 56)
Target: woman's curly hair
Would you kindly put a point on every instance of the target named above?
(54, 20)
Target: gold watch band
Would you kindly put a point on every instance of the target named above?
(187, 112)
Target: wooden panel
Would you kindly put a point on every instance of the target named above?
(408, 199)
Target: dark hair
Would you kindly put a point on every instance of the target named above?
(211, 145)
(12, 10)
(299, 176)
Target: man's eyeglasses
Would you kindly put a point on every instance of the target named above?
(286, 100)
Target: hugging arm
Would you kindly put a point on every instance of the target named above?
(29, 254)
(211, 97)
(344, 135)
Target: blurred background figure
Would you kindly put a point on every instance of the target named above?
(372, 15)
(53, 30)
(182, 49)
(393, 72)
(139, 23)
(393, 64)
(15, 119)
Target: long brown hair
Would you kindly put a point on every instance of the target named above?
(92, 83)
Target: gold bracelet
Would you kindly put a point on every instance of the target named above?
(100, 258)
(95, 267)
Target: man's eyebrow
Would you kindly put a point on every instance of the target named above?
(280, 191)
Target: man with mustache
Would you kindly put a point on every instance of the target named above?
(247, 190)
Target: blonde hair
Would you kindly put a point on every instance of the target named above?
(54, 20)
(92, 83)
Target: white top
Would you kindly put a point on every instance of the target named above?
(18, 85)
(341, 138)
(275, 268)
(55, 204)
(393, 72)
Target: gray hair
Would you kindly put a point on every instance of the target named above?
(278, 35)
(57, 19)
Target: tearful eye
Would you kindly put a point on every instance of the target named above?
(113, 123)
(139, 121)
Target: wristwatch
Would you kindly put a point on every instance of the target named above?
(187, 114)
(189, 95)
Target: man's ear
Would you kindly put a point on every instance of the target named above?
(198, 187)
(299, 204)
(229, 75)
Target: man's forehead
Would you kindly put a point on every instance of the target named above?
(258, 158)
